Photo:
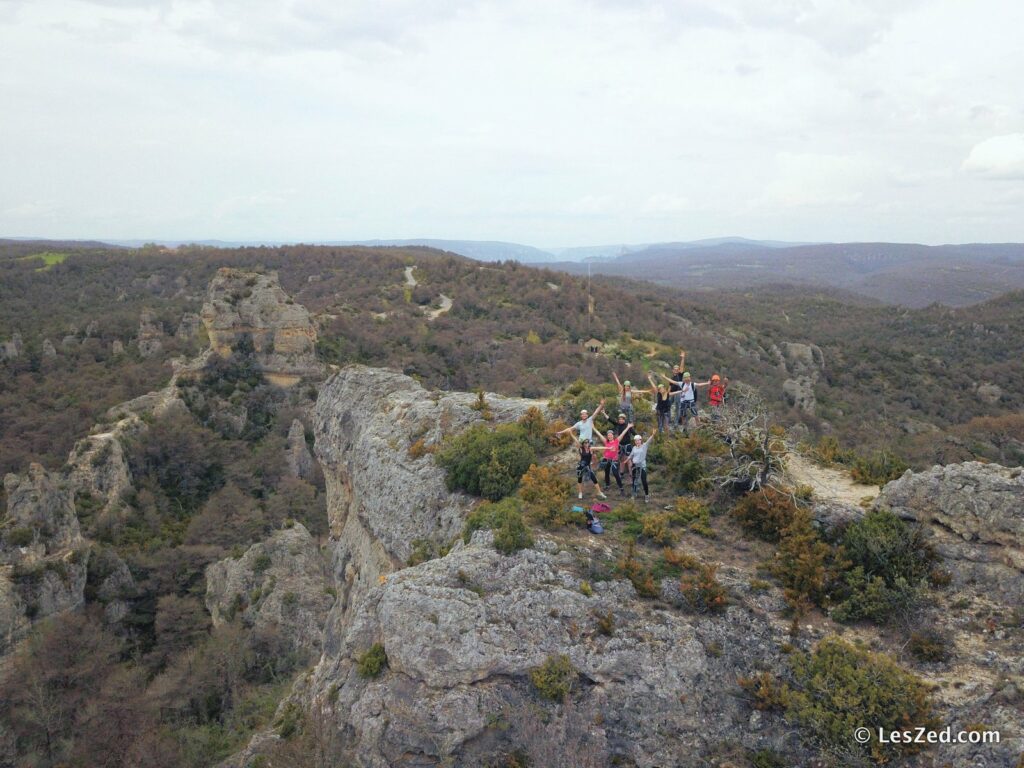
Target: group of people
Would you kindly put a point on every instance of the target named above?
(623, 449)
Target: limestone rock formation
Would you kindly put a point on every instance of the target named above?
(92, 329)
(44, 505)
(151, 334)
(69, 342)
(278, 586)
(42, 559)
(243, 305)
(48, 349)
(462, 633)
(803, 365)
(189, 326)
(297, 455)
(117, 347)
(97, 466)
(990, 393)
(379, 497)
(12, 349)
(977, 514)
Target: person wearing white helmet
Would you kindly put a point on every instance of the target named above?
(638, 460)
(585, 426)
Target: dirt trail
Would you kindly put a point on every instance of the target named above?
(827, 483)
(410, 280)
(446, 304)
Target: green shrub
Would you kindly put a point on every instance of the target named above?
(262, 562)
(555, 678)
(422, 550)
(888, 547)
(19, 537)
(505, 518)
(890, 562)
(928, 646)
(374, 661)
(839, 687)
(605, 623)
(768, 758)
(546, 495)
(869, 597)
(289, 723)
(693, 514)
(486, 461)
(804, 563)
(877, 469)
(701, 591)
(640, 574)
(684, 458)
(656, 529)
(765, 513)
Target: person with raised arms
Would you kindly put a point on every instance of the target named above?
(638, 461)
(611, 456)
(585, 468)
(626, 394)
(585, 426)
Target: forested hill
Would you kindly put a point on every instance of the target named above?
(907, 379)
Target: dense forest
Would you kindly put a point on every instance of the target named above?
(907, 380)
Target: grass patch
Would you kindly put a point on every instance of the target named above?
(49, 259)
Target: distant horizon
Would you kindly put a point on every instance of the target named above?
(340, 241)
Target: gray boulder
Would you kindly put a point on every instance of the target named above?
(48, 349)
(976, 512)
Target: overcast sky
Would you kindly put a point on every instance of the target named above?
(548, 122)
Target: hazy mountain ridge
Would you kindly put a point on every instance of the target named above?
(907, 274)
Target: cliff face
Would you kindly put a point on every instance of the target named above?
(381, 498)
(42, 559)
(241, 304)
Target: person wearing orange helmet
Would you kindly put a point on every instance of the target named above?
(716, 395)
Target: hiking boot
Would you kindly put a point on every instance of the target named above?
(647, 499)
(601, 495)
(580, 496)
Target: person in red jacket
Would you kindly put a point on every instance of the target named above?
(716, 395)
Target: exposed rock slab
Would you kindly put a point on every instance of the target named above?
(463, 632)
(977, 512)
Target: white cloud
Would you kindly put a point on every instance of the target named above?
(1000, 157)
(543, 121)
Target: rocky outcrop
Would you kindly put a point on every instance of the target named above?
(381, 498)
(11, 349)
(977, 514)
(279, 586)
(151, 335)
(803, 365)
(252, 307)
(189, 326)
(462, 633)
(43, 562)
(297, 455)
(97, 466)
(48, 349)
(42, 504)
(117, 347)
